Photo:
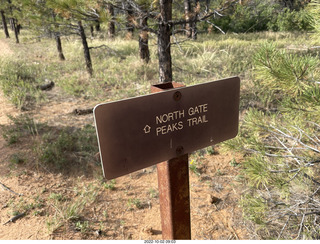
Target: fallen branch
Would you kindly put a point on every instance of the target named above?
(301, 226)
(8, 189)
(283, 227)
(4, 206)
(13, 219)
(46, 87)
(303, 214)
(83, 111)
(315, 47)
(311, 178)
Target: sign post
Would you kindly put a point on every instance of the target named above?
(173, 185)
(167, 125)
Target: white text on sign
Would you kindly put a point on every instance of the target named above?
(196, 116)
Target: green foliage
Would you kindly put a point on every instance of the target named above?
(153, 193)
(211, 150)
(279, 70)
(68, 212)
(255, 208)
(53, 149)
(16, 159)
(255, 15)
(288, 20)
(314, 10)
(57, 197)
(58, 148)
(281, 143)
(82, 226)
(311, 95)
(256, 169)
(111, 185)
(20, 126)
(67, 147)
(194, 168)
(19, 81)
(134, 202)
(234, 163)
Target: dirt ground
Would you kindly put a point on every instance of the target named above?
(113, 215)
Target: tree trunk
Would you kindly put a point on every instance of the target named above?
(57, 38)
(85, 48)
(18, 28)
(207, 6)
(92, 31)
(16, 32)
(111, 26)
(98, 27)
(164, 45)
(289, 4)
(195, 19)
(4, 22)
(143, 41)
(59, 46)
(130, 19)
(11, 24)
(187, 13)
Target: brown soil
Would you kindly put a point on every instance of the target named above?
(215, 194)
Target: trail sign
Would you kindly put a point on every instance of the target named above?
(139, 132)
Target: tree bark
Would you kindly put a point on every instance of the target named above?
(187, 13)
(5, 26)
(57, 38)
(143, 41)
(164, 44)
(129, 25)
(11, 24)
(195, 19)
(59, 46)
(98, 27)
(16, 31)
(18, 28)
(92, 31)
(85, 48)
(111, 26)
(207, 6)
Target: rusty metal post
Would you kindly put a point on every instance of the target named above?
(174, 193)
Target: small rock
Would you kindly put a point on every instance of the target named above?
(213, 199)
(148, 230)
(98, 232)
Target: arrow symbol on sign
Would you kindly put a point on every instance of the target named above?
(147, 129)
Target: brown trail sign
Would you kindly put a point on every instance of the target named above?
(139, 132)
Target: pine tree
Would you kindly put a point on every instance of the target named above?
(75, 16)
(14, 11)
(43, 21)
(4, 23)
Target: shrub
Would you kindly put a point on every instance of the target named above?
(314, 11)
(288, 20)
(282, 147)
(67, 147)
(279, 70)
(248, 17)
(263, 15)
(19, 81)
(20, 126)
